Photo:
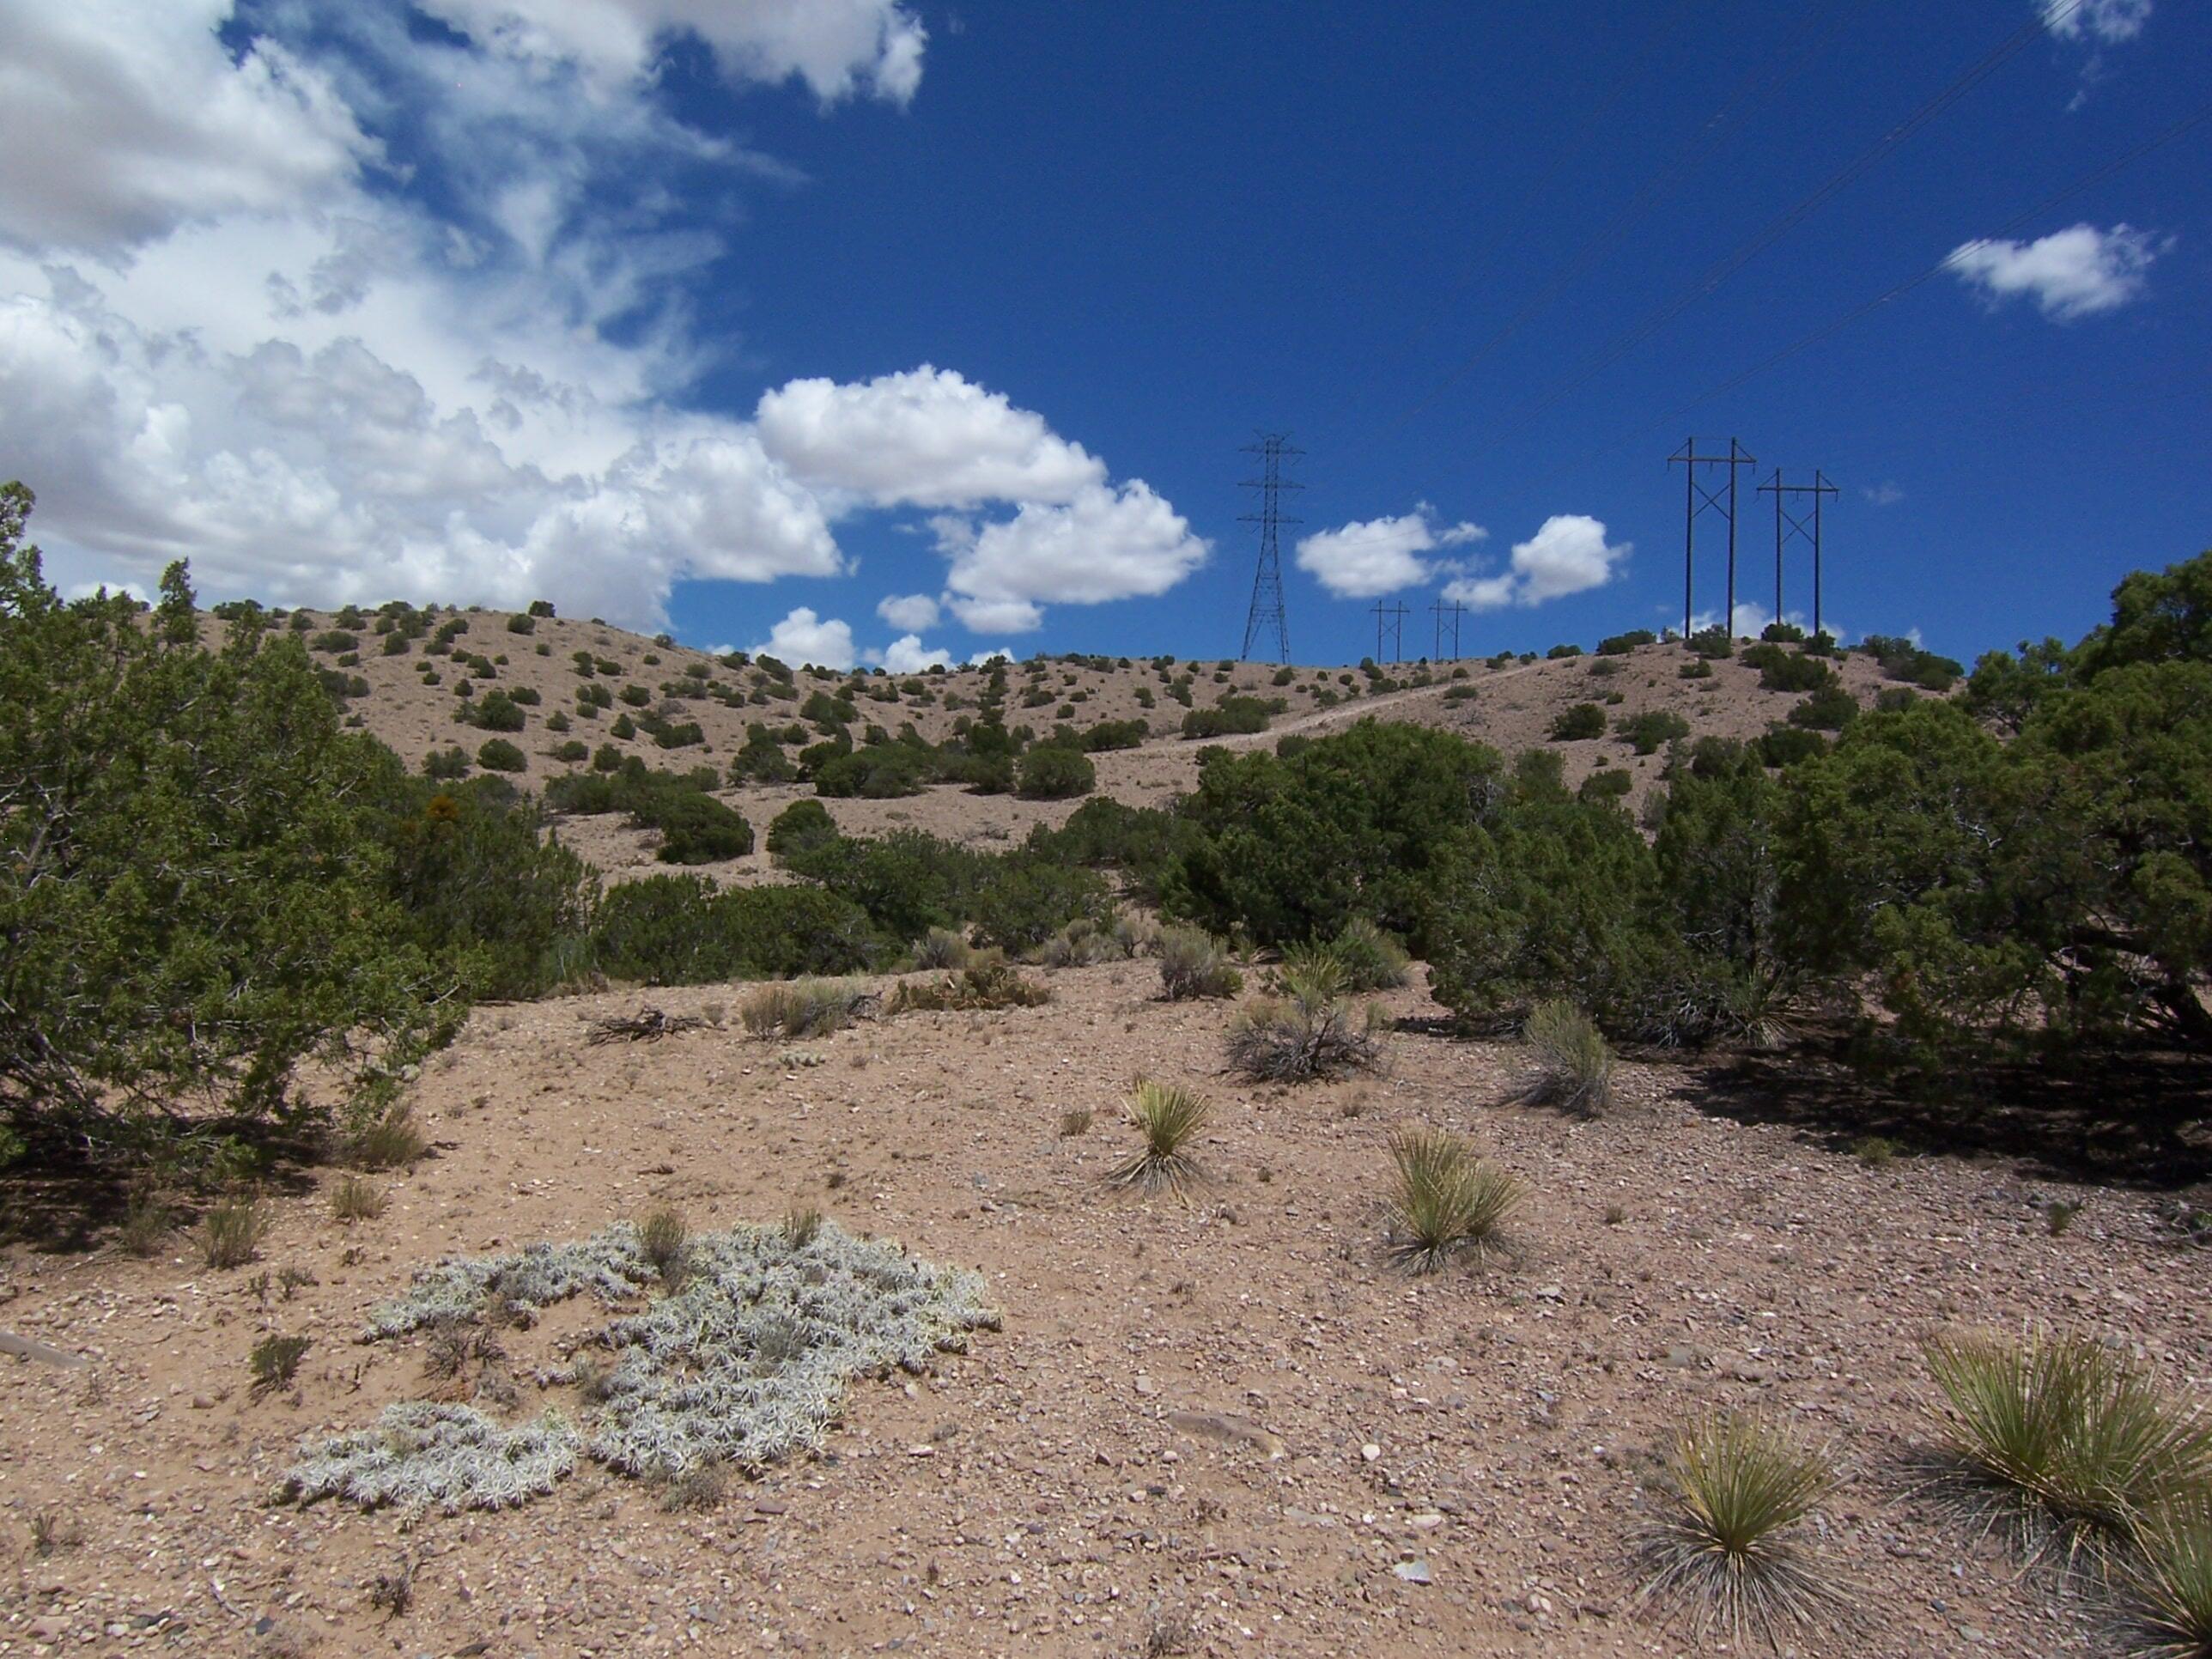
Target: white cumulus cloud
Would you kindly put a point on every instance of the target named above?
(1569, 554)
(1380, 556)
(805, 638)
(915, 612)
(837, 47)
(2075, 273)
(908, 655)
(2106, 21)
(123, 120)
(1120, 542)
(926, 437)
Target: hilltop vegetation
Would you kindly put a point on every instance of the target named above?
(210, 879)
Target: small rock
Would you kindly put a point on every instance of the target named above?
(1414, 1573)
(1370, 1452)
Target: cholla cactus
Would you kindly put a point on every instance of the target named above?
(747, 1363)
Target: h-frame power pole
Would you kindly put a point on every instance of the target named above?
(1267, 611)
(1390, 619)
(1790, 522)
(1699, 498)
(1455, 610)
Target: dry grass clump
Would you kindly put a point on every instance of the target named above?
(664, 1237)
(1194, 963)
(230, 1233)
(802, 1007)
(988, 981)
(940, 947)
(1726, 1545)
(275, 1362)
(357, 1198)
(1311, 1031)
(1075, 1121)
(1573, 1061)
(701, 1487)
(801, 1223)
(146, 1225)
(1167, 1116)
(2061, 1441)
(1083, 944)
(1446, 1199)
(388, 1140)
(2165, 1610)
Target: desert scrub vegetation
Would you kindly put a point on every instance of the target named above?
(664, 1238)
(231, 1232)
(804, 1007)
(745, 1365)
(1194, 963)
(355, 1198)
(1570, 1062)
(988, 981)
(1444, 1199)
(1166, 1118)
(1727, 1546)
(275, 1362)
(2164, 1609)
(2060, 1442)
(387, 1141)
(942, 947)
(1083, 944)
(1310, 1030)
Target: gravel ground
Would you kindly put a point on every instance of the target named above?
(1221, 1426)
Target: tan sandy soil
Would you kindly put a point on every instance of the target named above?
(1037, 1496)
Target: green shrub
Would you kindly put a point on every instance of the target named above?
(190, 924)
(357, 1198)
(1610, 784)
(664, 1238)
(1231, 716)
(2167, 1582)
(1050, 773)
(495, 711)
(1578, 724)
(388, 1139)
(1561, 653)
(1652, 731)
(987, 982)
(942, 947)
(1368, 959)
(523, 623)
(275, 1362)
(446, 764)
(1831, 709)
(802, 824)
(498, 755)
(1620, 645)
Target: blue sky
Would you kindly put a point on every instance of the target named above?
(895, 332)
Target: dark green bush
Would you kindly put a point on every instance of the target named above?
(799, 825)
(495, 711)
(1620, 645)
(498, 755)
(1051, 773)
(1230, 717)
(1652, 731)
(1575, 725)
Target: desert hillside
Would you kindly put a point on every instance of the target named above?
(408, 699)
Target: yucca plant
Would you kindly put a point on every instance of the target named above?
(1724, 1546)
(1446, 1198)
(1194, 963)
(2061, 1440)
(2166, 1583)
(1167, 1116)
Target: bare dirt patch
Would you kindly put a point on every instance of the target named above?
(1228, 1420)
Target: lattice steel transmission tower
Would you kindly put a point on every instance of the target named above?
(1698, 500)
(1790, 522)
(1267, 611)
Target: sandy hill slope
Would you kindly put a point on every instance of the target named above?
(410, 701)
